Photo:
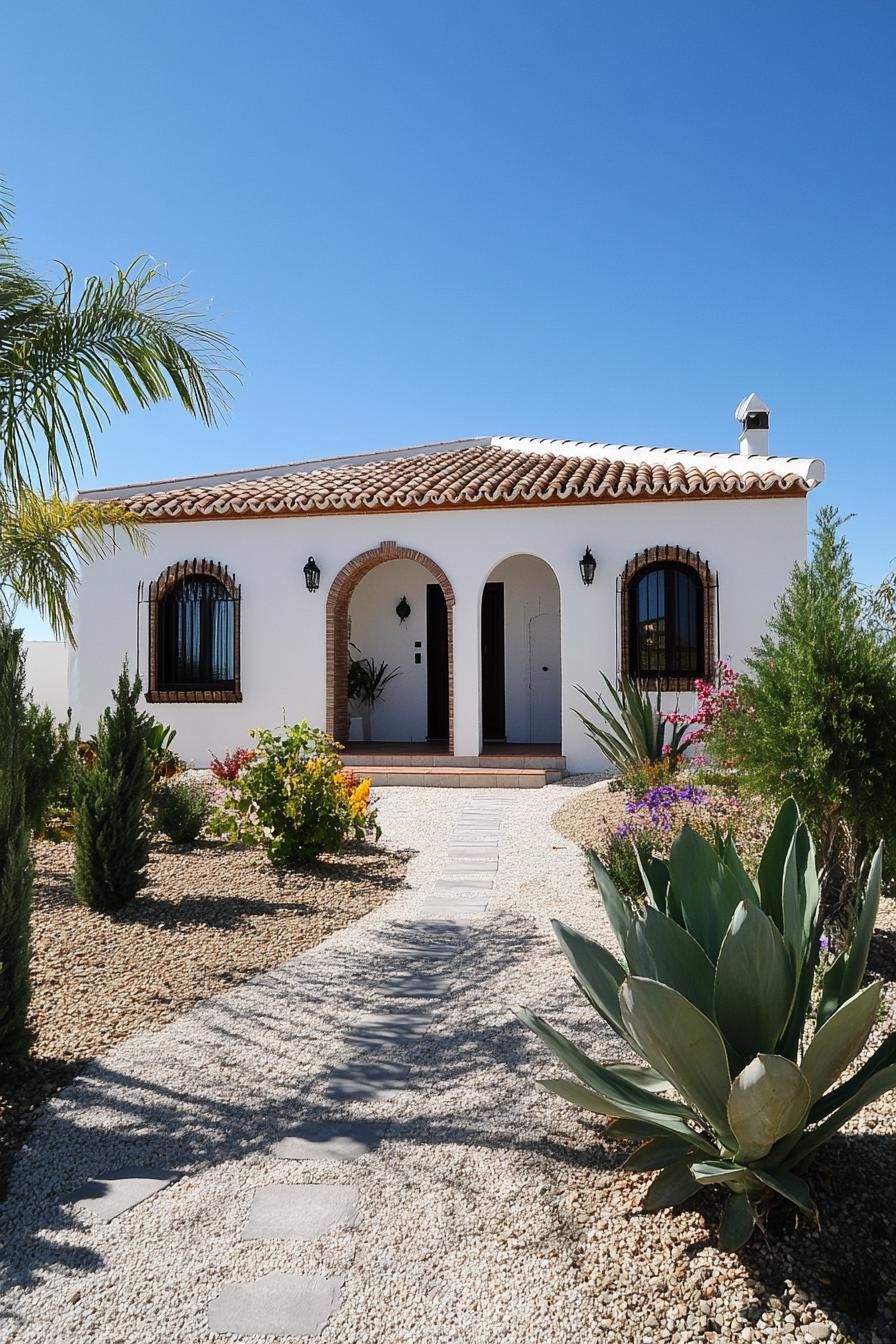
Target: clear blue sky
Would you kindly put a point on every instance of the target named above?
(423, 220)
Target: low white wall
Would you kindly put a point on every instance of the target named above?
(751, 543)
(46, 674)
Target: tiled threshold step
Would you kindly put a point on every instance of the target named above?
(452, 776)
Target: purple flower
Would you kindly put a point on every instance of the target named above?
(824, 943)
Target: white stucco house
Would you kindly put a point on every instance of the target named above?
(496, 574)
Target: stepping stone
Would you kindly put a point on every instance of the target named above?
(425, 951)
(389, 1029)
(461, 882)
(460, 913)
(363, 1080)
(299, 1212)
(322, 1142)
(105, 1197)
(286, 1305)
(411, 986)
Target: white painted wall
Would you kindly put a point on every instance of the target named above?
(753, 545)
(400, 715)
(46, 674)
(531, 591)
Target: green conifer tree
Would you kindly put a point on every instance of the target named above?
(111, 830)
(15, 857)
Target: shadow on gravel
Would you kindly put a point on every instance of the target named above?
(234, 1097)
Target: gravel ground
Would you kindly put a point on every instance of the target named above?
(490, 1213)
(210, 917)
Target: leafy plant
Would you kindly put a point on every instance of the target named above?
(51, 751)
(813, 714)
(181, 811)
(367, 680)
(15, 859)
(714, 996)
(634, 729)
(229, 768)
(111, 834)
(294, 799)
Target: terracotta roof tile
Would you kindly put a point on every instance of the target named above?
(495, 473)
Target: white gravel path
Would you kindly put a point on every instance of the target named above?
(459, 1235)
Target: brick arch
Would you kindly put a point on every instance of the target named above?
(338, 601)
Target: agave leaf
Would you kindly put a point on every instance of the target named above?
(706, 891)
(788, 1184)
(793, 899)
(732, 862)
(831, 991)
(660, 1152)
(682, 1044)
(632, 1129)
(662, 950)
(672, 1186)
(872, 1088)
(840, 1039)
(754, 982)
(655, 876)
(597, 971)
(635, 1101)
(718, 1172)
(736, 1224)
(791, 1038)
(649, 1079)
(774, 857)
(619, 912)
(769, 1098)
(857, 953)
(882, 1058)
(649, 1124)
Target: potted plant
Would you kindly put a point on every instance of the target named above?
(367, 680)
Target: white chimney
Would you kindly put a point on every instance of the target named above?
(753, 415)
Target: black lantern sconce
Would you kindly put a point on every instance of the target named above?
(587, 567)
(403, 610)
(312, 575)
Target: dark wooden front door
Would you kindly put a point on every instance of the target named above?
(436, 664)
(493, 725)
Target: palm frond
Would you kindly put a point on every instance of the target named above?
(43, 542)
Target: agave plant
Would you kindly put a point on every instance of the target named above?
(715, 997)
(635, 729)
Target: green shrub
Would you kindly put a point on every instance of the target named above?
(15, 860)
(714, 998)
(53, 767)
(294, 799)
(815, 711)
(620, 858)
(633, 730)
(181, 811)
(111, 834)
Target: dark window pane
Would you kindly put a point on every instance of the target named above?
(196, 636)
(666, 622)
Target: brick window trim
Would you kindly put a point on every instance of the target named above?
(337, 629)
(634, 568)
(158, 590)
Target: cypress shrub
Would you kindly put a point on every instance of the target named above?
(15, 857)
(111, 831)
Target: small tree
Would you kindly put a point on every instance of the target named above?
(15, 859)
(815, 714)
(111, 831)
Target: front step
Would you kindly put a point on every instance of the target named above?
(451, 776)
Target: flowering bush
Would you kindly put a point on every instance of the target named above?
(642, 776)
(294, 798)
(714, 698)
(660, 804)
(233, 762)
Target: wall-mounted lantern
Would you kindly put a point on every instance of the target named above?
(312, 575)
(403, 610)
(587, 567)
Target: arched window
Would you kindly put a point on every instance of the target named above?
(668, 618)
(194, 614)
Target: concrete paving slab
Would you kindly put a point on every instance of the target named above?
(105, 1197)
(328, 1141)
(415, 986)
(285, 1305)
(366, 1080)
(389, 1029)
(299, 1212)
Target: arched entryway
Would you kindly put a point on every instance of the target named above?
(520, 654)
(428, 633)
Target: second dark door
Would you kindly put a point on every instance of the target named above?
(493, 716)
(436, 664)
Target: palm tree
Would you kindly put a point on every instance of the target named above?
(66, 362)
